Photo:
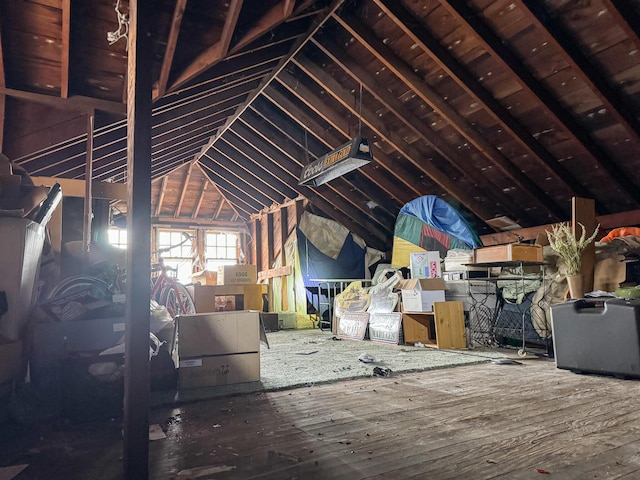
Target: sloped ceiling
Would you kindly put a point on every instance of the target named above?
(501, 107)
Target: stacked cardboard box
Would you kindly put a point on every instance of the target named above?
(219, 348)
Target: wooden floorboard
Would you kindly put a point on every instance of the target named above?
(483, 421)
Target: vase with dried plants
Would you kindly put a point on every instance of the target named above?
(569, 249)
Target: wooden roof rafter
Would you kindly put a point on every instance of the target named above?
(440, 55)
(292, 187)
(626, 16)
(493, 44)
(275, 16)
(583, 67)
(282, 152)
(299, 44)
(167, 61)
(375, 175)
(396, 65)
(215, 52)
(370, 119)
(457, 159)
(208, 183)
(183, 192)
(203, 190)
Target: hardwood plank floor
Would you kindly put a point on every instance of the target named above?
(480, 421)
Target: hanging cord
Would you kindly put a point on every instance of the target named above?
(123, 27)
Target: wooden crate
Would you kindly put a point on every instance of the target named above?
(512, 252)
(442, 328)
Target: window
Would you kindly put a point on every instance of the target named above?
(220, 249)
(118, 237)
(179, 258)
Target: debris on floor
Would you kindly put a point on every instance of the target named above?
(367, 358)
(381, 372)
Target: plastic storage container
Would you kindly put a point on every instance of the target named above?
(598, 336)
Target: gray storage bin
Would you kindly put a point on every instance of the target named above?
(598, 336)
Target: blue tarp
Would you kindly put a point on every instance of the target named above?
(439, 214)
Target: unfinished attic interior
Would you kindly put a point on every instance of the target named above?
(251, 239)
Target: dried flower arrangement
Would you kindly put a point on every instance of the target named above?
(568, 247)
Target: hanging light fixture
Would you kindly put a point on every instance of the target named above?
(350, 156)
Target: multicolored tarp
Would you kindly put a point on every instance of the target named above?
(429, 223)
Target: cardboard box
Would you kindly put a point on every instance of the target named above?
(22, 241)
(216, 298)
(237, 274)
(206, 277)
(213, 371)
(425, 265)
(10, 361)
(218, 333)
(513, 252)
(419, 295)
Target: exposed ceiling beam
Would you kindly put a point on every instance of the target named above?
(172, 41)
(241, 202)
(218, 209)
(273, 144)
(221, 224)
(215, 187)
(183, 192)
(370, 119)
(389, 168)
(274, 17)
(65, 65)
(163, 188)
(203, 190)
(445, 60)
(432, 98)
(583, 67)
(300, 43)
(347, 190)
(502, 54)
(321, 133)
(626, 16)
(607, 222)
(420, 128)
(215, 52)
(255, 153)
(76, 102)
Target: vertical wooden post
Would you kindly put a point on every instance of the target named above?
(136, 394)
(88, 183)
(284, 230)
(583, 210)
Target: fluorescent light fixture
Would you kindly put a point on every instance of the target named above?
(348, 157)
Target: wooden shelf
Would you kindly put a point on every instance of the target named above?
(442, 328)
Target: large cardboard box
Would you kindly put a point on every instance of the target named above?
(21, 243)
(213, 371)
(419, 295)
(512, 252)
(425, 265)
(218, 333)
(237, 274)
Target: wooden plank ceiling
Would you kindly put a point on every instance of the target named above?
(500, 107)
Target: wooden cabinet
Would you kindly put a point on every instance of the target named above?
(442, 328)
